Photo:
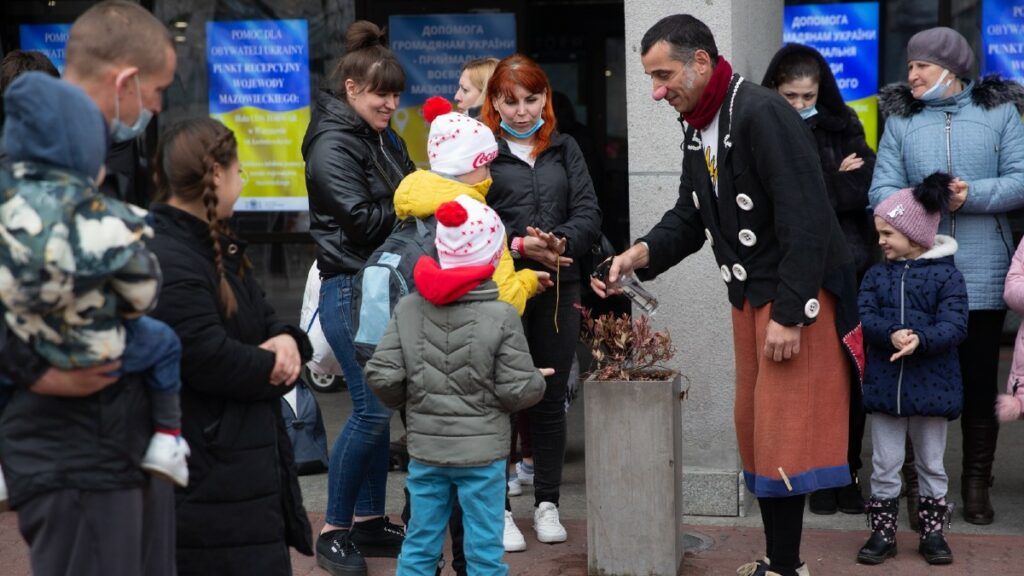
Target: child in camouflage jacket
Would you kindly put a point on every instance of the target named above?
(75, 276)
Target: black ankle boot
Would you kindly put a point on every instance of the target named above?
(882, 516)
(933, 514)
(824, 501)
(849, 497)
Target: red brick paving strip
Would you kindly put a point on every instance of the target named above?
(827, 552)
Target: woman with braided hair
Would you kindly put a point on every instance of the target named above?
(242, 508)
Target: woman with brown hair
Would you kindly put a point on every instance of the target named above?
(354, 163)
(543, 193)
(242, 508)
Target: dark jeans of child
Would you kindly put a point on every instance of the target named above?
(154, 349)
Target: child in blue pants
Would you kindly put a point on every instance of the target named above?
(458, 360)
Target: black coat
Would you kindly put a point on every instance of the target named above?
(242, 507)
(839, 133)
(352, 172)
(555, 195)
(796, 247)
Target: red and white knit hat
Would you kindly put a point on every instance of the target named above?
(468, 234)
(457, 144)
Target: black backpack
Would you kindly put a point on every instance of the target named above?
(305, 426)
(385, 279)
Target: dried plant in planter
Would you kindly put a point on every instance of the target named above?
(626, 348)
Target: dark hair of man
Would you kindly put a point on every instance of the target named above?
(17, 62)
(684, 34)
(368, 62)
(796, 66)
(117, 32)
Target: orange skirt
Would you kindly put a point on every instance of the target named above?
(791, 416)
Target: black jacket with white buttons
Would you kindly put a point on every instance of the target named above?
(773, 232)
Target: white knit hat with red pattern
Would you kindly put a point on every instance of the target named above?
(468, 234)
(458, 144)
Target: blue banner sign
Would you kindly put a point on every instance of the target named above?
(50, 39)
(1002, 38)
(847, 36)
(258, 74)
(431, 50)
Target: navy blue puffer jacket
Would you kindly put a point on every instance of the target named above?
(929, 296)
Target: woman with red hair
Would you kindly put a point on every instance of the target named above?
(543, 193)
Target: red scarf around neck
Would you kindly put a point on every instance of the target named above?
(712, 98)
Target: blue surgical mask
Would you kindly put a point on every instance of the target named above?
(121, 132)
(522, 135)
(938, 90)
(808, 113)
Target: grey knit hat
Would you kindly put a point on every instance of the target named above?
(942, 46)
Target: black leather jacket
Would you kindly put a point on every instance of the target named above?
(351, 175)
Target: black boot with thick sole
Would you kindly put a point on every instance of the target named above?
(934, 515)
(882, 516)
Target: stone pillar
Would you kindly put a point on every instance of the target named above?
(693, 304)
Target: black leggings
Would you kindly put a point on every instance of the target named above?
(551, 349)
(783, 528)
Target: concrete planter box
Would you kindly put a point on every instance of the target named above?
(634, 477)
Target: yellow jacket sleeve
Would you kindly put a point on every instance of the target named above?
(514, 287)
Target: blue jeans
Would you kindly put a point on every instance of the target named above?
(481, 492)
(153, 349)
(358, 471)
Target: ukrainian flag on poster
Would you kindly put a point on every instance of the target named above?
(259, 88)
(847, 36)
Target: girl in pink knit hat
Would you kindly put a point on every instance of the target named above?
(913, 308)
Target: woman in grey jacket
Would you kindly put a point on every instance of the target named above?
(941, 121)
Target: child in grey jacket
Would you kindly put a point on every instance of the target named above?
(458, 360)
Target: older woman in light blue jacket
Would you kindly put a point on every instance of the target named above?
(944, 122)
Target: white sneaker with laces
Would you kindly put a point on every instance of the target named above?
(513, 538)
(3, 492)
(166, 457)
(525, 477)
(514, 487)
(545, 523)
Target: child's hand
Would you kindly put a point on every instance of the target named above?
(545, 372)
(899, 338)
(911, 344)
(544, 281)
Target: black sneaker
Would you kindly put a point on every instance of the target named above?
(824, 501)
(336, 554)
(378, 538)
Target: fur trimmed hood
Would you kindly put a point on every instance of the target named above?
(991, 91)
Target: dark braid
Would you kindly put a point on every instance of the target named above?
(227, 295)
(181, 173)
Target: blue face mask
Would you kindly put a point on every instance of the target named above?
(938, 90)
(808, 113)
(119, 131)
(522, 135)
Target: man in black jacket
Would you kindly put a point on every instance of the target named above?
(72, 464)
(763, 208)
